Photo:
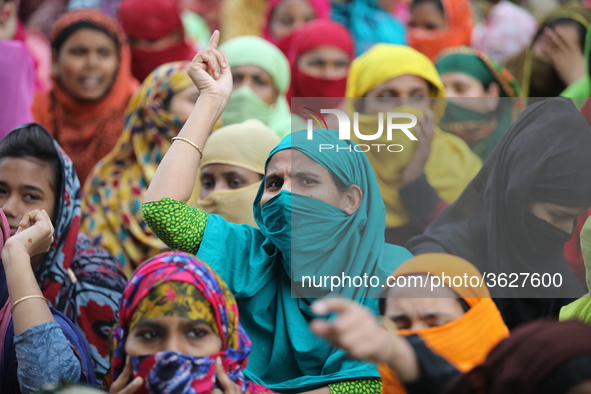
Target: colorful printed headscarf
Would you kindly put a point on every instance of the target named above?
(79, 280)
(179, 284)
(458, 15)
(113, 196)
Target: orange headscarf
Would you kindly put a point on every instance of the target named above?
(458, 16)
(87, 131)
(464, 342)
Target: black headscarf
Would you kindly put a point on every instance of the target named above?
(545, 156)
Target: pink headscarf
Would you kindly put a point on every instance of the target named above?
(507, 30)
(5, 229)
(321, 9)
(5, 315)
(17, 78)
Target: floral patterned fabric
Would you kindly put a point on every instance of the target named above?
(81, 281)
(165, 269)
(112, 216)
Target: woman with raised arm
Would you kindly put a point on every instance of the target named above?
(335, 197)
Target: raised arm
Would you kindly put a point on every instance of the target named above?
(177, 173)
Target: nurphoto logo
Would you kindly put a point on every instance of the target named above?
(344, 129)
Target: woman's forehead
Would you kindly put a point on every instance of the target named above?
(293, 160)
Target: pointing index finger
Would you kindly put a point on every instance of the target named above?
(214, 40)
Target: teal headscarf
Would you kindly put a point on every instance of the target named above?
(369, 23)
(482, 131)
(469, 64)
(244, 104)
(261, 265)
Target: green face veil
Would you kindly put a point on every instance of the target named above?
(244, 104)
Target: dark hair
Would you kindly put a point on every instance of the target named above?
(32, 140)
(568, 375)
(74, 27)
(581, 29)
(167, 102)
(437, 3)
(341, 187)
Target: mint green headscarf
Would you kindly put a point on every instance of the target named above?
(244, 104)
(581, 308)
(257, 265)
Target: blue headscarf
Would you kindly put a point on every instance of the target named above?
(368, 23)
(257, 266)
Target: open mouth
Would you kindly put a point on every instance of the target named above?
(90, 82)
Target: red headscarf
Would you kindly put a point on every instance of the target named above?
(458, 16)
(313, 35)
(87, 131)
(153, 20)
(321, 9)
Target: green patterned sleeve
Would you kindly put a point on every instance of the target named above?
(366, 386)
(178, 225)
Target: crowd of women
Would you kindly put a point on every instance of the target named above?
(162, 197)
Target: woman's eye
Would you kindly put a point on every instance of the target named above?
(32, 197)
(3, 191)
(273, 184)
(309, 181)
(77, 51)
(104, 52)
(236, 183)
(316, 63)
(260, 82)
(197, 333)
(206, 184)
(148, 335)
(286, 21)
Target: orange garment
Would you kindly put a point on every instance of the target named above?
(458, 16)
(87, 131)
(464, 342)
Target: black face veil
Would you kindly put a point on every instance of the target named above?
(544, 157)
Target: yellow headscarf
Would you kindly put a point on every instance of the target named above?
(451, 164)
(245, 145)
(464, 342)
(115, 189)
